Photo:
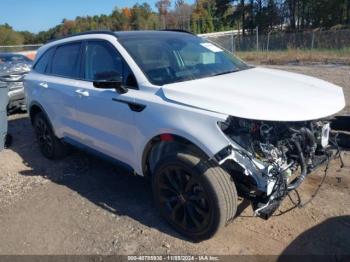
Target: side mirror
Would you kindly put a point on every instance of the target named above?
(111, 84)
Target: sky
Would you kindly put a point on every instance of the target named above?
(39, 15)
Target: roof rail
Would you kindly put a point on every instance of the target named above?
(104, 32)
(177, 30)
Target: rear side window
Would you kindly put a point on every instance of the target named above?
(44, 61)
(66, 61)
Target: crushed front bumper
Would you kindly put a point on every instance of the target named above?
(265, 206)
(268, 192)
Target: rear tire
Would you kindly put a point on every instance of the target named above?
(50, 146)
(195, 196)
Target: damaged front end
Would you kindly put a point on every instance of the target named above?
(268, 159)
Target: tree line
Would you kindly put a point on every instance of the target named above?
(204, 16)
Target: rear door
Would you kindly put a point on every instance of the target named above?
(33, 82)
(58, 87)
(105, 120)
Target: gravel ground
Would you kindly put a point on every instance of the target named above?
(83, 205)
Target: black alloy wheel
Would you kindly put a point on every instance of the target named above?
(183, 199)
(194, 196)
(50, 146)
(44, 137)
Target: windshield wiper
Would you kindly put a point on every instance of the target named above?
(226, 72)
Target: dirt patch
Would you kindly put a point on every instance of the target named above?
(297, 56)
(83, 205)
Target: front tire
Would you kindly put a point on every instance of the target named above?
(50, 146)
(194, 196)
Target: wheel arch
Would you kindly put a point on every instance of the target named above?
(36, 108)
(164, 142)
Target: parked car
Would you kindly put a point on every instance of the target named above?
(18, 65)
(204, 126)
(3, 114)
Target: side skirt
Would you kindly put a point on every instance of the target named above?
(98, 154)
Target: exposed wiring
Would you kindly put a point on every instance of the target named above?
(318, 187)
(298, 203)
(338, 154)
(295, 205)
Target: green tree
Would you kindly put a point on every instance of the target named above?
(163, 10)
(220, 13)
(10, 37)
(140, 15)
(202, 16)
(29, 38)
(182, 14)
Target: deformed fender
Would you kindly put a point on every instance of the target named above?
(250, 166)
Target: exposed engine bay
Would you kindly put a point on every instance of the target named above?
(274, 157)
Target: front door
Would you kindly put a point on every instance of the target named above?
(105, 120)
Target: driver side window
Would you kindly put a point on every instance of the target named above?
(103, 62)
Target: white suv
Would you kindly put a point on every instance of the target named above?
(203, 125)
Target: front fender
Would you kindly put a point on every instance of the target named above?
(195, 125)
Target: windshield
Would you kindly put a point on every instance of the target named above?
(170, 58)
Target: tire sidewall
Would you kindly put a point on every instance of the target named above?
(42, 117)
(198, 170)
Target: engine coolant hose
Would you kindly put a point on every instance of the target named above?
(296, 182)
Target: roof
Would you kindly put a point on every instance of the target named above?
(150, 33)
(132, 34)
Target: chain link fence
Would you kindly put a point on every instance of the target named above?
(281, 41)
(234, 41)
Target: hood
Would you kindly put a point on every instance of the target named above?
(261, 94)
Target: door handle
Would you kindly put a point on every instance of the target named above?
(82, 92)
(44, 85)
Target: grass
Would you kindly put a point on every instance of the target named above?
(301, 56)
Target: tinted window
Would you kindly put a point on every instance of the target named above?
(173, 57)
(44, 61)
(128, 77)
(66, 61)
(102, 62)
